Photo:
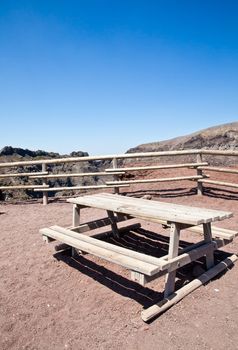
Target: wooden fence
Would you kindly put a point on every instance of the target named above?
(198, 164)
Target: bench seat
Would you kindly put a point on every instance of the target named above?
(132, 260)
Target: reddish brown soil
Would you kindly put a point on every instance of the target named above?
(49, 300)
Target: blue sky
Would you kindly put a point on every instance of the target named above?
(104, 76)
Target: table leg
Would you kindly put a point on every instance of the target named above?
(207, 231)
(173, 252)
(76, 221)
(113, 223)
(76, 215)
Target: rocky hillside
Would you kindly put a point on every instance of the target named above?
(223, 137)
(10, 154)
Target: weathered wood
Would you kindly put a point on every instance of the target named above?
(108, 252)
(220, 152)
(24, 187)
(220, 183)
(138, 278)
(208, 238)
(173, 252)
(99, 157)
(93, 225)
(113, 223)
(216, 232)
(151, 210)
(118, 156)
(156, 167)
(168, 179)
(121, 231)
(76, 215)
(199, 173)
(115, 177)
(217, 169)
(158, 263)
(44, 183)
(54, 189)
(60, 175)
(157, 309)
(40, 173)
(161, 206)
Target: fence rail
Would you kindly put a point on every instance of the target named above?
(43, 175)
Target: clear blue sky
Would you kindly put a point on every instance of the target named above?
(104, 76)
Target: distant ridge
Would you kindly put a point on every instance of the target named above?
(223, 137)
(17, 151)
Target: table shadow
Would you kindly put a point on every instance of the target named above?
(143, 241)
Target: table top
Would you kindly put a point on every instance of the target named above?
(151, 210)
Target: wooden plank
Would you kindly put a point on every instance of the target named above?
(76, 215)
(199, 173)
(208, 238)
(217, 169)
(121, 230)
(113, 223)
(60, 175)
(192, 255)
(102, 252)
(162, 205)
(44, 183)
(54, 189)
(92, 225)
(168, 179)
(157, 167)
(162, 306)
(220, 152)
(146, 214)
(216, 232)
(99, 157)
(220, 183)
(24, 187)
(23, 174)
(157, 262)
(158, 205)
(152, 210)
(173, 252)
(118, 156)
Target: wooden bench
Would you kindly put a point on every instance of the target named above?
(137, 262)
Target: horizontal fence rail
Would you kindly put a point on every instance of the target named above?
(117, 173)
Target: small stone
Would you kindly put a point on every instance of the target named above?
(147, 196)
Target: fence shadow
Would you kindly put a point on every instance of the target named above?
(220, 193)
(163, 193)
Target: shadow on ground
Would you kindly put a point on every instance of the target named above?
(143, 241)
(213, 192)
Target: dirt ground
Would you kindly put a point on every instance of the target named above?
(49, 300)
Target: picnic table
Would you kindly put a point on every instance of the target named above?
(144, 267)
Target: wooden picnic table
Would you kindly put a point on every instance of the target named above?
(176, 215)
(144, 267)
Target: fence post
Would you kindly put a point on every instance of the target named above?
(115, 177)
(44, 182)
(199, 172)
